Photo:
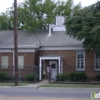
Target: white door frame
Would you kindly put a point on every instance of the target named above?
(59, 58)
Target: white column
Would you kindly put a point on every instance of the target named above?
(59, 65)
(40, 66)
(13, 62)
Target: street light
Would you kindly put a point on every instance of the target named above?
(15, 43)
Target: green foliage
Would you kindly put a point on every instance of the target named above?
(31, 77)
(98, 77)
(3, 76)
(77, 76)
(31, 14)
(84, 25)
(3, 21)
(61, 77)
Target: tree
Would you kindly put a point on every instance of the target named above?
(3, 21)
(85, 25)
(31, 14)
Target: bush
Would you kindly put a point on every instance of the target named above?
(31, 77)
(77, 76)
(71, 76)
(61, 77)
(98, 77)
(3, 76)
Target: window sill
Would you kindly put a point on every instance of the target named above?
(97, 69)
(80, 69)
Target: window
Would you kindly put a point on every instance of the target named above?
(80, 60)
(4, 62)
(20, 62)
(97, 61)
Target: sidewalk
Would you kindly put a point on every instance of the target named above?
(35, 85)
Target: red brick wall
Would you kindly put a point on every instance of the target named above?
(69, 61)
(29, 59)
(10, 60)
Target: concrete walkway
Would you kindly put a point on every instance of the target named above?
(35, 85)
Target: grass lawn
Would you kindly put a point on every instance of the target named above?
(72, 85)
(12, 84)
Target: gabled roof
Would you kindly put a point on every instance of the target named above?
(33, 39)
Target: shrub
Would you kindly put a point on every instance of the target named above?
(71, 76)
(61, 77)
(98, 77)
(31, 77)
(3, 76)
(77, 76)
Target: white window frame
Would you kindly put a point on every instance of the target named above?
(80, 52)
(6, 64)
(19, 61)
(95, 62)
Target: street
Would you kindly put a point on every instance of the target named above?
(46, 93)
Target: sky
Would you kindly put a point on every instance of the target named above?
(4, 4)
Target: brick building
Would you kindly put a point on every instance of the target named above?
(44, 48)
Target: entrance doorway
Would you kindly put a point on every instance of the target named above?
(56, 63)
(53, 65)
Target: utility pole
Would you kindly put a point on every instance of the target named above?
(15, 43)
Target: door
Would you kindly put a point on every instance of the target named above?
(53, 65)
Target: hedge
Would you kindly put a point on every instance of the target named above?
(61, 77)
(77, 76)
(3, 76)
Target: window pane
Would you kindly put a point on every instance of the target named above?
(82, 66)
(96, 66)
(4, 62)
(78, 65)
(80, 60)
(21, 62)
(97, 61)
(80, 56)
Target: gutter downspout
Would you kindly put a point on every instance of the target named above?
(13, 72)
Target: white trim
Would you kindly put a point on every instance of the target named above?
(13, 62)
(19, 46)
(40, 68)
(59, 65)
(45, 48)
(49, 58)
(19, 50)
(95, 62)
(63, 48)
(83, 52)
